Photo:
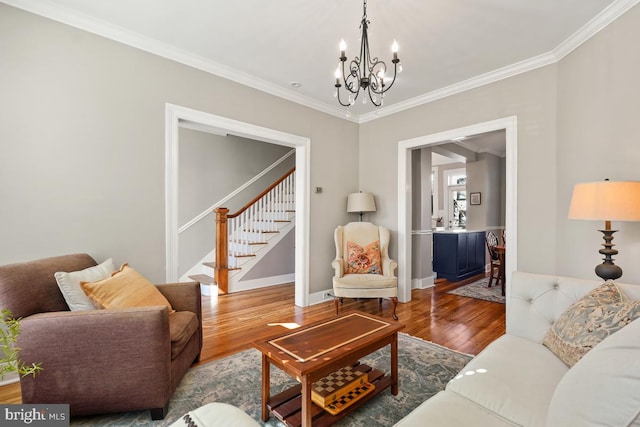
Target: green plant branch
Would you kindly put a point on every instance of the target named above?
(10, 360)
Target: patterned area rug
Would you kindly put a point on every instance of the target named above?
(424, 369)
(479, 290)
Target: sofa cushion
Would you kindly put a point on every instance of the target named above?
(365, 286)
(123, 289)
(513, 377)
(69, 284)
(182, 325)
(363, 259)
(371, 281)
(588, 321)
(448, 409)
(601, 389)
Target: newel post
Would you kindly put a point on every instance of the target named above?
(221, 270)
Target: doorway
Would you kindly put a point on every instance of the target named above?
(174, 115)
(509, 125)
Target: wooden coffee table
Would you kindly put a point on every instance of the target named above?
(313, 352)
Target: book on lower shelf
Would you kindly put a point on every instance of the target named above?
(337, 384)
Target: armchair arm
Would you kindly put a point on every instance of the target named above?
(338, 266)
(389, 267)
(115, 360)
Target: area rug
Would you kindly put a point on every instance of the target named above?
(480, 290)
(423, 368)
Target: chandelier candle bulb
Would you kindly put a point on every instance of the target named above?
(394, 49)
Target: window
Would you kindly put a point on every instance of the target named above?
(456, 203)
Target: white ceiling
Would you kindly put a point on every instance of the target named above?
(445, 45)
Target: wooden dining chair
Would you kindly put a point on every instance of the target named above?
(492, 241)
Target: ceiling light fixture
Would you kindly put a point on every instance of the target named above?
(364, 72)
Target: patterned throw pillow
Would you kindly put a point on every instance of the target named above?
(363, 260)
(588, 321)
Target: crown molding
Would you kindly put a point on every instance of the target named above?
(593, 27)
(165, 50)
(121, 35)
(463, 86)
(590, 29)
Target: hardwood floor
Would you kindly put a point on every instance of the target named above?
(232, 322)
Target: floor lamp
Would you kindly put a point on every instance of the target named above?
(606, 201)
(361, 203)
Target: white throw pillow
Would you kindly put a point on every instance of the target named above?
(601, 389)
(69, 284)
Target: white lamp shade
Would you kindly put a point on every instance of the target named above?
(606, 201)
(361, 202)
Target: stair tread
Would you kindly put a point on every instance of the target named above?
(213, 265)
(248, 243)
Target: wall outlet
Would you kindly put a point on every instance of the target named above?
(328, 295)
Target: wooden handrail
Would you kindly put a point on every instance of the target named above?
(221, 269)
(259, 196)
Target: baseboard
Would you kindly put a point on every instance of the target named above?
(320, 297)
(10, 379)
(424, 283)
(262, 282)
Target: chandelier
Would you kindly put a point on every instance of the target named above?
(364, 72)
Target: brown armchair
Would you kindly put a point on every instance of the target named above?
(100, 361)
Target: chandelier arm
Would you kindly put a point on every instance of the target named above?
(386, 87)
(372, 98)
(340, 100)
(352, 77)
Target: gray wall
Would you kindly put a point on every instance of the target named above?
(576, 123)
(421, 241)
(210, 168)
(82, 128)
(598, 93)
(486, 176)
(530, 96)
(278, 261)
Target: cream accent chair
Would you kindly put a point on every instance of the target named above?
(364, 285)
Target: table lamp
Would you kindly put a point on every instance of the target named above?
(606, 201)
(361, 203)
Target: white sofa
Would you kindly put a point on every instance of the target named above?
(516, 381)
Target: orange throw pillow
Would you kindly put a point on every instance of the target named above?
(125, 288)
(363, 260)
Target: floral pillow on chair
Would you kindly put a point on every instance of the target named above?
(363, 260)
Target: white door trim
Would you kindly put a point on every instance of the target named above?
(510, 125)
(174, 115)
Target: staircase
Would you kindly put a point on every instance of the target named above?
(245, 236)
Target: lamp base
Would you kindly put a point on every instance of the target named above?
(608, 270)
